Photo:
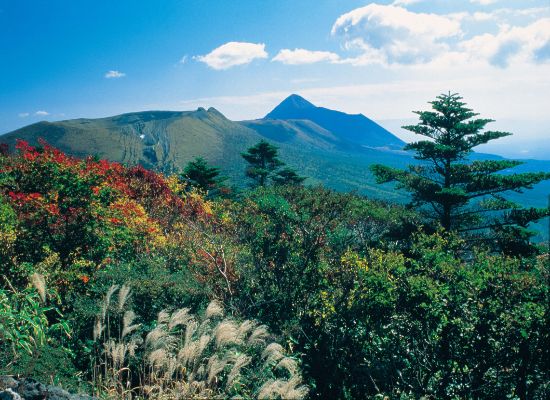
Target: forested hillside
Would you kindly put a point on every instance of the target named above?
(119, 281)
(330, 147)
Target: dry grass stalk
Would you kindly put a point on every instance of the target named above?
(179, 318)
(127, 326)
(258, 336)
(191, 351)
(156, 338)
(163, 317)
(227, 332)
(293, 390)
(284, 389)
(214, 310)
(273, 353)
(98, 329)
(289, 364)
(190, 331)
(123, 295)
(215, 366)
(207, 359)
(241, 361)
(244, 329)
(39, 283)
(107, 301)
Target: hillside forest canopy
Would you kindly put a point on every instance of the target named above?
(122, 282)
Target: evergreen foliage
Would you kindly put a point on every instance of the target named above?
(198, 173)
(264, 166)
(263, 162)
(287, 176)
(463, 195)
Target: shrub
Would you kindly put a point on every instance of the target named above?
(32, 332)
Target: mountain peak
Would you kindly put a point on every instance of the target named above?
(215, 111)
(356, 128)
(297, 101)
(291, 104)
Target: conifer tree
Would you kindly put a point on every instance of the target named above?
(463, 194)
(287, 176)
(198, 173)
(263, 162)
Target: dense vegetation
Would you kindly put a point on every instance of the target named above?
(125, 282)
(465, 196)
(328, 146)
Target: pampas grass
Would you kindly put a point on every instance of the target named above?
(39, 283)
(188, 356)
(227, 332)
(258, 336)
(217, 357)
(123, 295)
(180, 317)
(290, 389)
(214, 309)
(127, 326)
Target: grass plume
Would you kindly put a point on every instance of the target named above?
(191, 356)
(39, 283)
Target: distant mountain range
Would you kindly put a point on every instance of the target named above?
(328, 146)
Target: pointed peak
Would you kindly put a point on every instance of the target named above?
(297, 101)
(289, 106)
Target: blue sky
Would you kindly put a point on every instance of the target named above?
(70, 59)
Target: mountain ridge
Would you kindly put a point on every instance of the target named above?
(167, 140)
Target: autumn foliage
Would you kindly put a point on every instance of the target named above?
(87, 212)
(366, 300)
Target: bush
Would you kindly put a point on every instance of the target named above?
(33, 332)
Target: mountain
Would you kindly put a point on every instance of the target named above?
(167, 140)
(162, 140)
(329, 147)
(355, 128)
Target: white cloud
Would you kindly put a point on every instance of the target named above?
(304, 80)
(393, 35)
(184, 59)
(525, 44)
(42, 113)
(23, 115)
(509, 16)
(405, 2)
(233, 53)
(483, 2)
(303, 56)
(114, 74)
(483, 16)
(520, 92)
(529, 12)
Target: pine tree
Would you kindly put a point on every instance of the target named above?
(202, 176)
(263, 162)
(287, 176)
(462, 194)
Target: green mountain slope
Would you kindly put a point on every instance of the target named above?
(167, 140)
(161, 140)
